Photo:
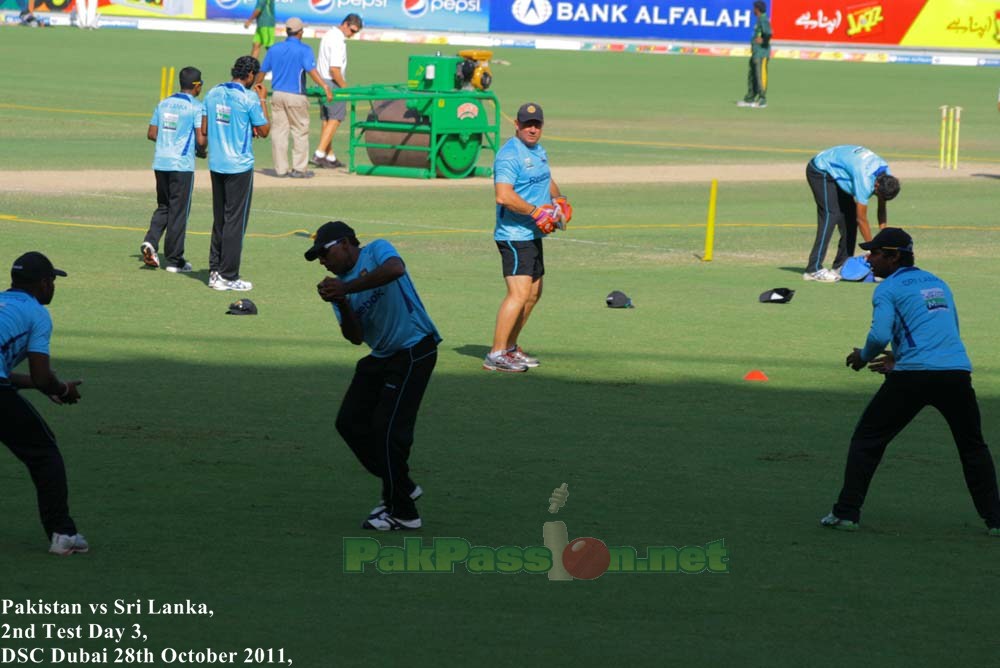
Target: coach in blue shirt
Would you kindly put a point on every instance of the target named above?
(25, 331)
(914, 311)
(289, 62)
(375, 302)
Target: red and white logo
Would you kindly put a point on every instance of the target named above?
(467, 110)
(322, 6)
(415, 8)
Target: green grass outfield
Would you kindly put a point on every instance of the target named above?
(204, 464)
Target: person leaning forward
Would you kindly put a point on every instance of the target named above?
(914, 311)
(376, 303)
(25, 331)
(842, 180)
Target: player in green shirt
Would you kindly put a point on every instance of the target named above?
(760, 54)
(263, 13)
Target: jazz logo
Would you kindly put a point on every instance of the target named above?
(864, 20)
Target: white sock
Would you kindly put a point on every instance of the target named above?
(331, 157)
(320, 155)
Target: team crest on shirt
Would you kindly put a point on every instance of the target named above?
(223, 113)
(934, 299)
(170, 121)
(527, 163)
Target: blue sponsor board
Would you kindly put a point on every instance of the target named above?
(711, 20)
(452, 15)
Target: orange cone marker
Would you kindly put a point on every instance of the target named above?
(756, 374)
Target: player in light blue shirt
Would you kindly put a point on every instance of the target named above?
(235, 116)
(25, 333)
(913, 310)
(376, 303)
(178, 127)
(843, 179)
(529, 206)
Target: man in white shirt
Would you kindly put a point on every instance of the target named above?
(333, 67)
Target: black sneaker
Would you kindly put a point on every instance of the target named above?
(386, 522)
(333, 164)
(295, 174)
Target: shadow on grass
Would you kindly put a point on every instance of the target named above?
(177, 467)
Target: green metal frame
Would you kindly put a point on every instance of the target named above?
(439, 130)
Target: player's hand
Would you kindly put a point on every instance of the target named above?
(261, 92)
(332, 290)
(200, 151)
(854, 360)
(70, 395)
(564, 210)
(329, 94)
(883, 364)
(545, 218)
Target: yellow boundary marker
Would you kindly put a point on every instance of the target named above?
(713, 197)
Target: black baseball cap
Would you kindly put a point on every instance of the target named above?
(618, 299)
(33, 266)
(890, 238)
(530, 111)
(329, 234)
(242, 307)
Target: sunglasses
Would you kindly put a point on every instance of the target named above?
(328, 246)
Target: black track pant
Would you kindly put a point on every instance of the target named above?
(903, 394)
(835, 209)
(25, 433)
(173, 206)
(231, 194)
(379, 413)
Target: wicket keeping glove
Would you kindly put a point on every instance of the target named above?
(563, 208)
(545, 218)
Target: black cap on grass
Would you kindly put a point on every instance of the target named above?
(618, 299)
(776, 296)
(242, 307)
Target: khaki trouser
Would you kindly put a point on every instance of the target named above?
(289, 114)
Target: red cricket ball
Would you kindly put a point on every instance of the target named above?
(586, 558)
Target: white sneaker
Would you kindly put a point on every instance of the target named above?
(213, 279)
(823, 276)
(417, 492)
(386, 522)
(149, 256)
(519, 355)
(502, 361)
(186, 269)
(759, 105)
(64, 545)
(237, 284)
(743, 103)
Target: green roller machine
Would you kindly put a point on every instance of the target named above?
(434, 125)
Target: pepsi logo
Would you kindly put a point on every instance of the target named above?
(322, 6)
(415, 8)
